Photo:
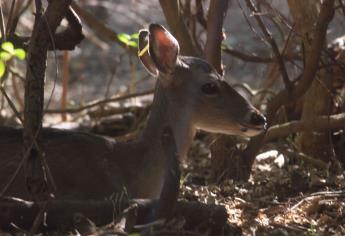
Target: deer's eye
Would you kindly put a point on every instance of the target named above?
(210, 89)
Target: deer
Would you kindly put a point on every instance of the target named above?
(189, 96)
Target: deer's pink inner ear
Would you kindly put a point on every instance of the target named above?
(164, 48)
(167, 46)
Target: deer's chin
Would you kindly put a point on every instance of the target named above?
(241, 130)
(250, 131)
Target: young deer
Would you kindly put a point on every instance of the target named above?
(189, 95)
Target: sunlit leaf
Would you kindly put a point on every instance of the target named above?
(20, 53)
(5, 56)
(8, 46)
(2, 68)
(133, 44)
(135, 36)
(124, 37)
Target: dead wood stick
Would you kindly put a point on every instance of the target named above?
(62, 213)
(269, 38)
(99, 102)
(321, 123)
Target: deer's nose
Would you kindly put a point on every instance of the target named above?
(257, 119)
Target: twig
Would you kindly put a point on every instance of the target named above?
(317, 163)
(16, 92)
(310, 70)
(2, 22)
(255, 58)
(321, 123)
(296, 228)
(38, 219)
(17, 16)
(322, 194)
(248, 57)
(250, 24)
(271, 16)
(283, 19)
(113, 111)
(102, 31)
(99, 102)
(33, 143)
(10, 16)
(65, 79)
(272, 42)
(13, 107)
(251, 91)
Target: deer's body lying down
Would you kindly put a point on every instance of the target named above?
(86, 166)
(189, 95)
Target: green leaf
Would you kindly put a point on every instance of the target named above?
(8, 46)
(124, 37)
(5, 56)
(135, 36)
(133, 44)
(20, 53)
(2, 68)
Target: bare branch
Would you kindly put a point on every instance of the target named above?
(311, 67)
(10, 16)
(322, 123)
(255, 58)
(215, 19)
(103, 32)
(18, 13)
(273, 44)
(2, 23)
(285, 97)
(178, 27)
(100, 102)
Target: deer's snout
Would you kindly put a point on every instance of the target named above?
(257, 119)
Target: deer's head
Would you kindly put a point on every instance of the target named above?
(194, 89)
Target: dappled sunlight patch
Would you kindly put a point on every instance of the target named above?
(284, 196)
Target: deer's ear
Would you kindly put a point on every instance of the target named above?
(163, 48)
(144, 56)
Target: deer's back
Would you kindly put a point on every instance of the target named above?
(84, 166)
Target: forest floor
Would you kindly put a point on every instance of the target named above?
(287, 194)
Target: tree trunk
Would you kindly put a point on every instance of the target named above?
(173, 16)
(44, 28)
(317, 98)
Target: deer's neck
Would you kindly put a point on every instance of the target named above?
(165, 112)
